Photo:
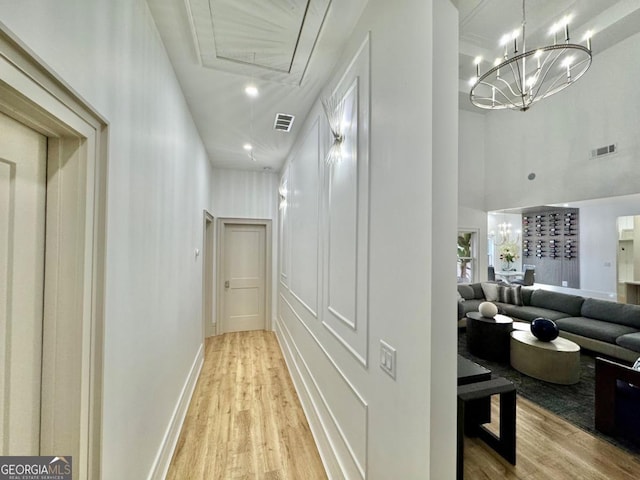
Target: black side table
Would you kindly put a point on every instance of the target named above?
(489, 338)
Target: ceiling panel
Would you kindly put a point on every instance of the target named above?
(272, 40)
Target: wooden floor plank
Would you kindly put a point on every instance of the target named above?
(548, 447)
(245, 420)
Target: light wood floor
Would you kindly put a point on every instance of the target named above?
(245, 420)
(548, 447)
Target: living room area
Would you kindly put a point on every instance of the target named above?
(538, 191)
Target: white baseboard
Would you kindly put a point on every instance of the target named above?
(163, 458)
(326, 449)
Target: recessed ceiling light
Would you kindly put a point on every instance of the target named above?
(248, 147)
(251, 91)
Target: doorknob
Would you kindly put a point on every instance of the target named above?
(226, 284)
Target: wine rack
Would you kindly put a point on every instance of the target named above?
(550, 239)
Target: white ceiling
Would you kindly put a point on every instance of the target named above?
(288, 48)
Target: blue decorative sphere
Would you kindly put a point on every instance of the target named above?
(544, 329)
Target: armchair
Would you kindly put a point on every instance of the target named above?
(617, 399)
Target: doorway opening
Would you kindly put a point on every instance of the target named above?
(208, 275)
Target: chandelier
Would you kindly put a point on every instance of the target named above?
(525, 78)
(506, 236)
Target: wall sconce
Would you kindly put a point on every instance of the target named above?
(333, 109)
(282, 193)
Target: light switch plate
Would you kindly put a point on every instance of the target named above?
(388, 359)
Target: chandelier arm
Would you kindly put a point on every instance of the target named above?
(508, 104)
(507, 97)
(516, 75)
(559, 81)
(520, 82)
(515, 94)
(545, 68)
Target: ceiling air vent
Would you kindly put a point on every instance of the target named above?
(283, 122)
(606, 150)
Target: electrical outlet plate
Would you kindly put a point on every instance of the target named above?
(388, 359)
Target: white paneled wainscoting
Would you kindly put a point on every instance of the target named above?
(324, 264)
(356, 239)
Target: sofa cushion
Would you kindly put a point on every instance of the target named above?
(510, 294)
(468, 306)
(526, 295)
(529, 313)
(596, 329)
(561, 302)
(490, 291)
(621, 313)
(465, 291)
(478, 293)
(630, 341)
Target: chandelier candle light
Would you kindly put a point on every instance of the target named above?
(525, 78)
(505, 235)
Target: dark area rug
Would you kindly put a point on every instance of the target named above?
(574, 403)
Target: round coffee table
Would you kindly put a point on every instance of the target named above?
(488, 338)
(557, 361)
(522, 326)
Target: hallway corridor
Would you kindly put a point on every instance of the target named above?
(245, 420)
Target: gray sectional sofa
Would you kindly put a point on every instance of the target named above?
(601, 326)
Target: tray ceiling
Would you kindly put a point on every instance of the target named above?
(269, 40)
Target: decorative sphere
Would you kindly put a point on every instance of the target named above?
(488, 309)
(544, 329)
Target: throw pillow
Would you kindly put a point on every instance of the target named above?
(490, 291)
(635, 366)
(460, 298)
(511, 295)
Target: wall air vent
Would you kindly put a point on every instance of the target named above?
(606, 150)
(283, 122)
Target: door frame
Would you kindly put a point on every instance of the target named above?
(74, 282)
(222, 225)
(208, 274)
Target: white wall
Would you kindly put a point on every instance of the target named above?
(471, 162)
(471, 182)
(554, 138)
(245, 194)
(599, 241)
(396, 219)
(248, 194)
(159, 181)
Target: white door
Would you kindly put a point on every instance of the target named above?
(22, 229)
(244, 278)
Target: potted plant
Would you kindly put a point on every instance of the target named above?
(508, 255)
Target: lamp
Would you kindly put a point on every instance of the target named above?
(525, 78)
(333, 109)
(282, 193)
